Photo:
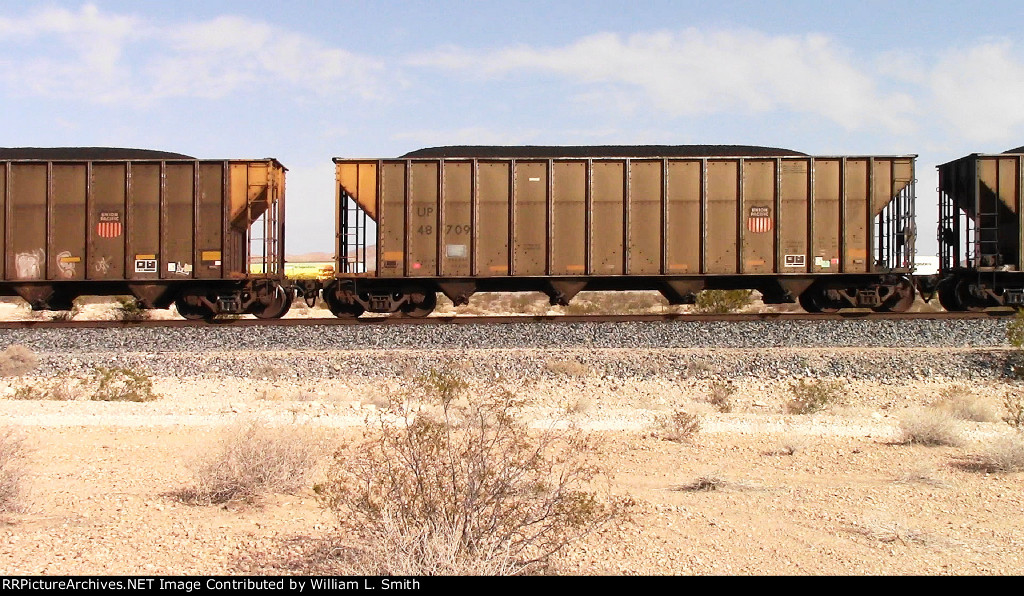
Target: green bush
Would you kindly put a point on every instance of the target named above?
(102, 384)
(813, 395)
(722, 301)
(1015, 330)
(121, 384)
(129, 309)
(441, 385)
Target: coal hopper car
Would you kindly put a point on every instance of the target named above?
(830, 232)
(205, 235)
(981, 199)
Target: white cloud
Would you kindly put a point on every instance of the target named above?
(979, 91)
(61, 52)
(695, 72)
(110, 58)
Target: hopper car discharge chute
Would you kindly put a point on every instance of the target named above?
(830, 232)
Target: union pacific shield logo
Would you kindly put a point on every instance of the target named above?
(109, 225)
(760, 219)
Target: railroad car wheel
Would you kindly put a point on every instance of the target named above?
(814, 300)
(902, 299)
(191, 312)
(343, 310)
(967, 300)
(279, 305)
(807, 302)
(947, 296)
(420, 304)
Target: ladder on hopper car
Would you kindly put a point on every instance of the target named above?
(987, 236)
(981, 237)
(352, 256)
(949, 231)
(983, 249)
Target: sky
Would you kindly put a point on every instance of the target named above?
(307, 81)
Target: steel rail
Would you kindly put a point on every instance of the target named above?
(851, 314)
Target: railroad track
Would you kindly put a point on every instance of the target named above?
(851, 314)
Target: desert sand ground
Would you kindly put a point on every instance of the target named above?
(835, 492)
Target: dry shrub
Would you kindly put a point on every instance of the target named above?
(568, 368)
(960, 403)
(921, 474)
(520, 302)
(680, 427)
(888, 531)
(616, 302)
(17, 360)
(705, 483)
(281, 395)
(268, 371)
(251, 461)
(813, 395)
(102, 384)
(581, 307)
(791, 444)
(12, 470)
(48, 389)
(582, 405)
(1005, 454)
(930, 426)
(720, 396)
(379, 402)
(1014, 404)
(469, 490)
(65, 315)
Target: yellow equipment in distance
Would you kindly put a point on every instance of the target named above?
(322, 271)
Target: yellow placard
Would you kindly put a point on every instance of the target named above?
(210, 255)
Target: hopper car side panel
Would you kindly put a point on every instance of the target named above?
(160, 230)
(980, 232)
(679, 225)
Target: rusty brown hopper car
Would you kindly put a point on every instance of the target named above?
(980, 205)
(206, 235)
(831, 232)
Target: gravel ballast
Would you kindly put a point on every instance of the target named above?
(541, 335)
(898, 350)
